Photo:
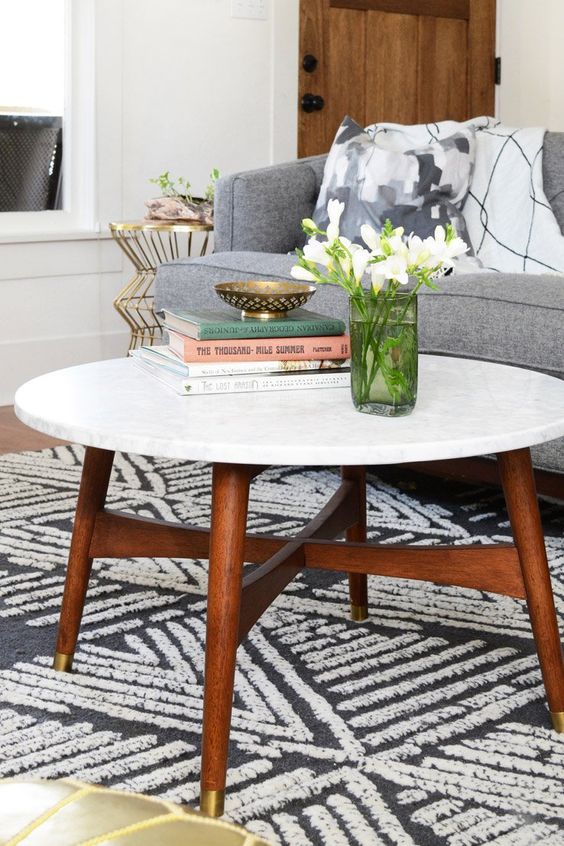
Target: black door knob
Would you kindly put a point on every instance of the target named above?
(309, 63)
(312, 102)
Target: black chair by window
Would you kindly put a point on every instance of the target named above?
(31, 151)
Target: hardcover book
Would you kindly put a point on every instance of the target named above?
(260, 349)
(249, 383)
(209, 325)
(161, 356)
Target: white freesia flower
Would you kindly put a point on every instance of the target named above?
(360, 260)
(443, 252)
(350, 248)
(397, 244)
(316, 251)
(302, 274)
(371, 238)
(346, 264)
(394, 268)
(417, 252)
(377, 278)
(395, 241)
(457, 247)
(388, 257)
(334, 211)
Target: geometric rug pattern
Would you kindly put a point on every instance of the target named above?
(426, 724)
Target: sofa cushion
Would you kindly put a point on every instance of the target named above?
(496, 317)
(416, 187)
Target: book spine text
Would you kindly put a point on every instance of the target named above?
(264, 382)
(218, 331)
(268, 349)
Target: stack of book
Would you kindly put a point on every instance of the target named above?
(216, 352)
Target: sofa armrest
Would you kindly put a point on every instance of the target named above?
(553, 173)
(261, 210)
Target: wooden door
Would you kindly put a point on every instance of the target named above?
(400, 61)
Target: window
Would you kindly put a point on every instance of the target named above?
(46, 116)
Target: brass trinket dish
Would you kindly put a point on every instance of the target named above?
(265, 299)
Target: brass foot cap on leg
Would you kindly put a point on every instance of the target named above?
(557, 718)
(359, 613)
(212, 802)
(62, 662)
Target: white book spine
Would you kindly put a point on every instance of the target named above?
(243, 367)
(230, 384)
(160, 358)
(266, 382)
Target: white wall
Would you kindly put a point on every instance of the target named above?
(530, 45)
(198, 93)
(180, 86)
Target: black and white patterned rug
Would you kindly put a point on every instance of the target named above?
(425, 725)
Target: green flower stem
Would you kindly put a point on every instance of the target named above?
(371, 328)
(373, 343)
(376, 342)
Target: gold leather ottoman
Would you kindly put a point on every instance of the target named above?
(69, 813)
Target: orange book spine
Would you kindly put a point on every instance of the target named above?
(260, 349)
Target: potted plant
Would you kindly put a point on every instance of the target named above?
(177, 202)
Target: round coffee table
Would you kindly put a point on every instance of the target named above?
(465, 408)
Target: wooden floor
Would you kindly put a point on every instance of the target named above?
(15, 437)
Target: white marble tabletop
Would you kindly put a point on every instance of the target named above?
(464, 408)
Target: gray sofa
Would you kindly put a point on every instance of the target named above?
(515, 319)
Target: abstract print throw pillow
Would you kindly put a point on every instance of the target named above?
(415, 188)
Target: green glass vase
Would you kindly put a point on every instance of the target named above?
(383, 330)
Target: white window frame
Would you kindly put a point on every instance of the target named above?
(78, 216)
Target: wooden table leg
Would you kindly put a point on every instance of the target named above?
(520, 495)
(358, 582)
(230, 495)
(96, 472)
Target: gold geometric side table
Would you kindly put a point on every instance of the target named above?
(147, 244)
